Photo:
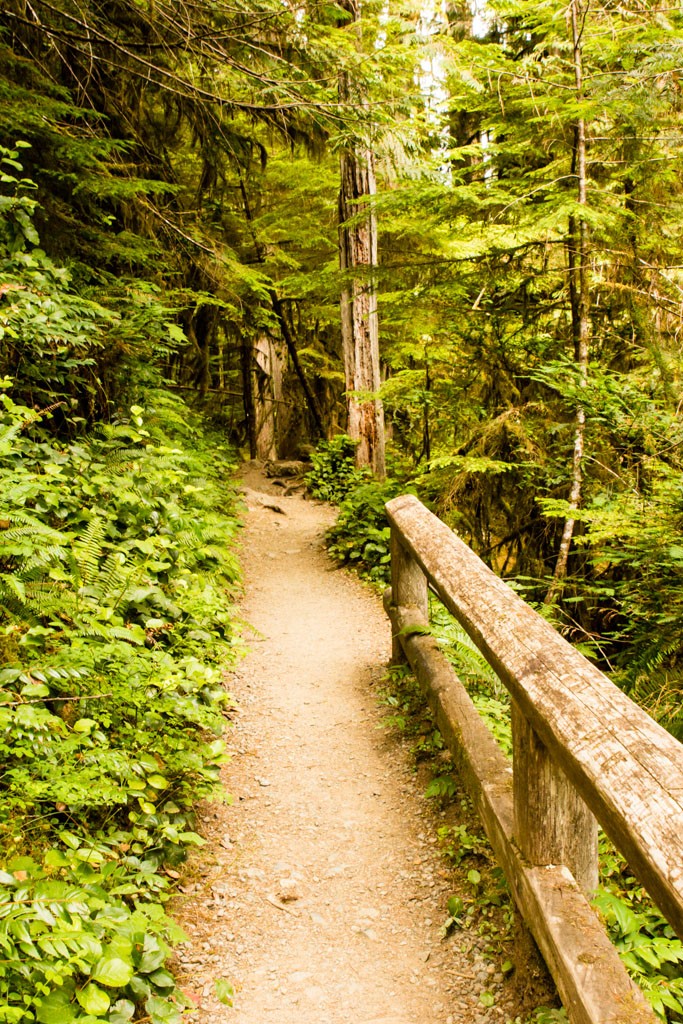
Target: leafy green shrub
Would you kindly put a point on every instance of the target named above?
(361, 535)
(76, 947)
(69, 342)
(116, 576)
(334, 472)
(647, 944)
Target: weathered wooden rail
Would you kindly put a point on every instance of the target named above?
(581, 751)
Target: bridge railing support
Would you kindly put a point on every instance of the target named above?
(581, 751)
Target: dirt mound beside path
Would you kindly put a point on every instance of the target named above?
(323, 894)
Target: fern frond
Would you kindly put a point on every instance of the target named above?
(188, 538)
(12, 587)
(112, 576)
(121, 456)
(41, 560)
(464, 653)
(88, 550)
(7, 435)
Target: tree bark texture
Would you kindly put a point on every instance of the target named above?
(359, 323)
(579, 286)
(246, 354)
(278, 309)
(285, 330)
(269, 362)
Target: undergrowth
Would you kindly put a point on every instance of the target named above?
(333, 472)
(116, 576)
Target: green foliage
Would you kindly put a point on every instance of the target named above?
(61, 347)
(334, 473)
(224, 991)
(115, 621)
(361, 535)
(549, 1015)
(648, 946)
(489, 695)
(442, 788)
(82, 940)
(458, 843)
(406, 712)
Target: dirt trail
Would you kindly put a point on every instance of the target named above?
(323, 893)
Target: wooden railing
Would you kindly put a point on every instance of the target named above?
(581, 751)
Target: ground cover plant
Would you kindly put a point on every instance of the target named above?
(116, 579)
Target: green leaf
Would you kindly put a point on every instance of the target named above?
(93, 1000)
(162, 979)
(57, 1008)
(89, 856)
(35, 690)
(161, 1011)
(455, 906)
(153, 956)
(55, 859)
(223, 991)
(474, 877)
(487, 999)
(84, 725)
(192, 839)
(139, 987)
(121, 1011)
(157, 781)
(113, 971)
(70, 840)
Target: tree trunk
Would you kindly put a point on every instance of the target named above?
(268, 364)
(312, 401)
(580, 308)
(246, 353)
(359, 323)
(278, 309)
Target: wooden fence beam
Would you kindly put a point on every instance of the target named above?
(590, 977)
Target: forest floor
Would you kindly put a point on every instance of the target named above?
(321, 894)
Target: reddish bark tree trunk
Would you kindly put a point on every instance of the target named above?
(359, 323)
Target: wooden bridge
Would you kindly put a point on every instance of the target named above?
(583, 753)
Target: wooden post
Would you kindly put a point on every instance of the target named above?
(552, 823)
(408, 588)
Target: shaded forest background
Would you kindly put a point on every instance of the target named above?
(170, 212)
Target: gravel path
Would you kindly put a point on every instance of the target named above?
(321, 894)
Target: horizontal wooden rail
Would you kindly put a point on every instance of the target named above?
(580, 746)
